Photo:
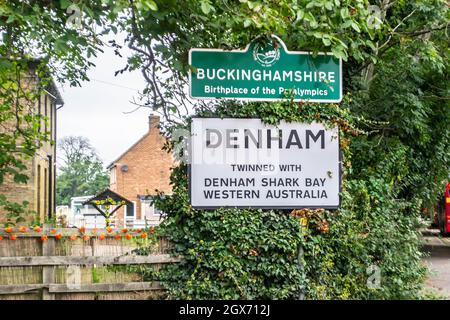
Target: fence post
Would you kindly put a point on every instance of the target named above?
(48, 272)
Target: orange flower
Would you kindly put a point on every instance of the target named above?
(94, 231)
(37, 229)
(53, 231)
(124, 230)
(23, 229)
(152, 230)
(12, 237)
(144, 235)
(117, 237)
(138, 230)
(86, 237)
(128, 236)
(102, 236)
(1, 238)
(58, 236)
(44, 238)
(109, 229)
(82, 229)
(73, 237)
(9, 230)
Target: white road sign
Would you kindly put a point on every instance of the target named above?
(245, 163)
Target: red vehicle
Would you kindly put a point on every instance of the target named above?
(444, 212)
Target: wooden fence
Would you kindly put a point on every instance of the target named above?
(63, 269)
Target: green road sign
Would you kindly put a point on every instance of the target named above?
(265, 72)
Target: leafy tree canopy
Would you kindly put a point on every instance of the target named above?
(81, 173)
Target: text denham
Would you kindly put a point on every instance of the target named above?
(261, 139)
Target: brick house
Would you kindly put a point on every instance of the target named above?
(40, 189)
(138, 172)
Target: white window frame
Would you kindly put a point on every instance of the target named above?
(153, 211)
(113, 175)
(127, 217)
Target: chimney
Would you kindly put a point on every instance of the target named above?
(153, 122)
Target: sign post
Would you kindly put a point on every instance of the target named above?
(265, 72)
(245, 163)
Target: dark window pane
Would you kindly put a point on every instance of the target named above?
(130, 210)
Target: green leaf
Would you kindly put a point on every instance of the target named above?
(177, 65)
(150, 4)
(326, 41)
(317, 35)
(206, 7)
(347, 23)
(61, 46)
(247, 23)
(355, 27)
(344, 13)
(65, 4)
(339, 52)
(10, 19)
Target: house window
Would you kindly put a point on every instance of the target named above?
(40, 112)
(130, 211)
(54, 121)
(39, 105)
(148, 209)
(38, 207)
(50, 120)
(45, 113)
(113, 175)
(45, 190)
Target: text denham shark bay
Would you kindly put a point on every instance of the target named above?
(275, 188)
(257, 75)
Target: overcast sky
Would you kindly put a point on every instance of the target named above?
(96, 110)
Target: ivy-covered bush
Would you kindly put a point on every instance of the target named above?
(312, 254)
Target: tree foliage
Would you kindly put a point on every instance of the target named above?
(38, 43)
(314, 254)
(20, 134)
(82, 173)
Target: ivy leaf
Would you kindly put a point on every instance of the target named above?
(65, 4)
(150, 4)
(355, 27)
(339, 52)
(344, 13)
(206, 7)
(300, 15)
(11, 18)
